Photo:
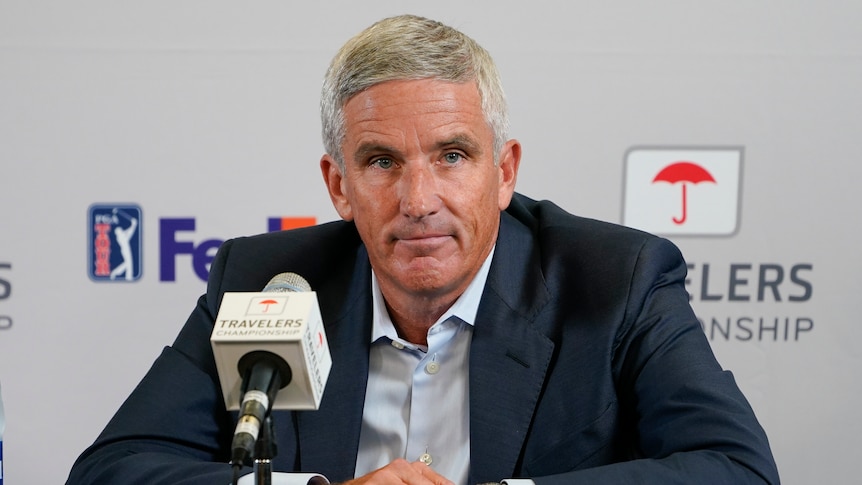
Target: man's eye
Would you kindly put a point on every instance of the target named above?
(452, 157)
(385, 163)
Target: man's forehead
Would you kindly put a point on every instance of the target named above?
(397, 118)
(396, 92)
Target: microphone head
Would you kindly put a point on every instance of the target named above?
(287, 282)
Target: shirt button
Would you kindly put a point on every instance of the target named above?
(426, 458)
(432, 368)
(397, 345)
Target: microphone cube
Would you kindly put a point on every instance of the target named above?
(287, 324)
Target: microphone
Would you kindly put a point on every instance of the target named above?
(271, 353)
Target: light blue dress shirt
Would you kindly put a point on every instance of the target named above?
(417, 398)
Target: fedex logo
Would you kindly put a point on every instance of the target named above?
(683, 191)
(174, 242)
(171, 246)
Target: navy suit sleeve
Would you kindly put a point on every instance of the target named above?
(693, 425)
(173, 428)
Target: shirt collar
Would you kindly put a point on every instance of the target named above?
(465, 307)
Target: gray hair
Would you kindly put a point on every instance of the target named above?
(408, 47)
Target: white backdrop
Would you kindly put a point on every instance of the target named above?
(207, 110)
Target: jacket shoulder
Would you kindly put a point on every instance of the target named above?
(561, 231)
(588, 254)
(248, 263)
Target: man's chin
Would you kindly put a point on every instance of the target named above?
(422, 271)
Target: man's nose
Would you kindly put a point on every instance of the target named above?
(419, 196)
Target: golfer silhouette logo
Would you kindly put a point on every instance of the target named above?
(123, 238)
(115, 242)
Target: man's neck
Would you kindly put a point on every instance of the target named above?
(413, 320)
(412, 314)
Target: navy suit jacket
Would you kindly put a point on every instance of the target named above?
(587, 365)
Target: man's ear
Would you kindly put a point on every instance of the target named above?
(336, 184)
(510, 160)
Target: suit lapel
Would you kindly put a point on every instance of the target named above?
(329, 437)
(508, 356)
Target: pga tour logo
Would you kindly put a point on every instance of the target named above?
(115, 242)
(683, 191)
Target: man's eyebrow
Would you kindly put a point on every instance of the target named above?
(367, 150)
(461, 141)
(465, 142)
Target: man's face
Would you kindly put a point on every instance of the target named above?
(420, 183)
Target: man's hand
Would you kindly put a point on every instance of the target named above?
(401, 471)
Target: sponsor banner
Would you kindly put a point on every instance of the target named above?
(696, 192)
(115, 251)
(177, 238)
(683, 191)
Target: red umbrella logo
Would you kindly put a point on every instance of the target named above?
(267, 304)
(684, 173)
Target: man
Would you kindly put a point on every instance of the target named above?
(477, 335)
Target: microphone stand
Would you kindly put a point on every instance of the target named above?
(264, 451)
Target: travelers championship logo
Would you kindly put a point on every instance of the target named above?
(683, 191)
(114, 242)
